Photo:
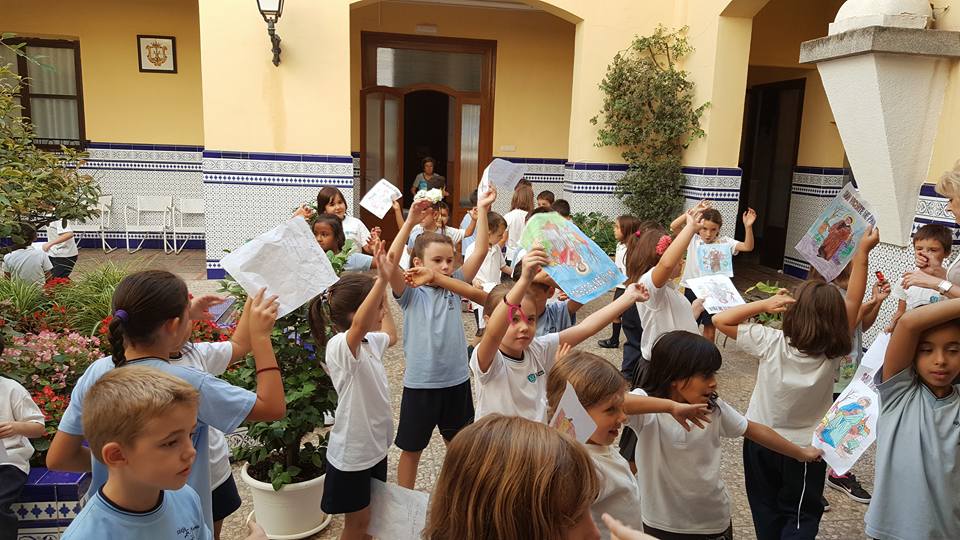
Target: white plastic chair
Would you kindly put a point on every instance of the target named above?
(99, 224)
(153, 215)
(186, 207)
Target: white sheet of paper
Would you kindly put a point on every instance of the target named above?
(502, 174)
(717, 292)
(571, 418)
(287, 260)
(873, 358)
(380, 198)
(396, 513)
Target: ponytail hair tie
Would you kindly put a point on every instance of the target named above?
(121, 315)
(663, 244)
(638, 234)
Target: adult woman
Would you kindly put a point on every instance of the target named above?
(947, 281)
(428, 179)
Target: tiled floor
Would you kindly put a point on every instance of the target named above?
(737, 378)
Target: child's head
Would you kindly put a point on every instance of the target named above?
(545, 199)
(138, 421)
(474, 197)
(524, 183)
(600, 388)
(331, 201)
(522, 324)
(816, 324)
(535, 211)
(29, 235)
(328, 230)
(336, 307)
(712, 221)
(642, 251)
(496, 226)
(624, 227)
(149, 310)
(933, 241)
(683, 367)
(509, 477)
(562, 207)
(522, 198)
(842, 279)
(434, 251)
(444, 211)
(937, 360)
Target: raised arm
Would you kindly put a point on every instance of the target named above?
(677, 224)
(903, 343)
(417, 211)
(682, 412)
(471, 223)
(768, 438)
(728, 320)
(365, 319)
(870, 309)
(472, 265)
(857, 285)
(398, 213)
(749, 217)
(674, 254)
(240, 340)
(597, 320)
(270, 404)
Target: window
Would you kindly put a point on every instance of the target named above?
(51, 96)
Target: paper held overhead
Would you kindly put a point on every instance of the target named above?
(287, 261)
(502, 174)
(380, 198)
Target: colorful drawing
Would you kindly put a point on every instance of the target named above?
(571, 418)
(715, 259)
(845, 425)
(829, 243)
(717, 291)
(580, 268)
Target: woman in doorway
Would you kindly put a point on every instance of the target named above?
(428, 179)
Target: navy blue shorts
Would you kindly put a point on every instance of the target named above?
(225, 499)
(349, 491)
(423, 409)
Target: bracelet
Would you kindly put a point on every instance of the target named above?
(513, 309)
(263, 370)
(945, 286)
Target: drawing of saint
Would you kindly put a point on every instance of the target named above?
(837, 236)
(846, 426)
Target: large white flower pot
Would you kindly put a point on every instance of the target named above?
(291, 513)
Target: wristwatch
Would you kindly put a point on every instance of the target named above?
(944, 286)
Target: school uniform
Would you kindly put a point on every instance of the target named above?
(915, 296)
(354, 229)
(361, 434)
(63, 256)
(692, 268)
(516, 220)
(29, 264)
(15, 406)
(664, 311)
(619, 492)
(555, 318)
(517, 386)
(178, 514)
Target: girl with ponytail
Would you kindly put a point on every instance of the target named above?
(151, 315)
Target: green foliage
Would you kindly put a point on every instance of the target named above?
(281, 456)
(37, 187)
(19, 298)
(648, 111)
(599, 228)
(773, 320)
(88, 298)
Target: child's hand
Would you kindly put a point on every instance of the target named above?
(256, 532)
(304, 211)
(698, 414)
(262, 311)
(8, 429)
(562, 351)
(473, 213)
(396, 206)
(694, 219)
(488, 199)
(386, 265)
(810, 453)
(870, 239)
(619, 531)
(919, 278)
(881, 291)
(533, 261)
(373, 241)
(418, 210)
(778, 303)
(701, 206)
(749, 217)
(200, 307)
(418, 276)
(562, 297)
(637, 292)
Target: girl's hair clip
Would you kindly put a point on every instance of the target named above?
(663, 244)
(638, 234)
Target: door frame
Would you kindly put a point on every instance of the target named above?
(370, 41)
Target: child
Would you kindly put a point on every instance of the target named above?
(494, 265)
(681, 490)
(526, 480)
(150, 313)
(328, 231)
(545, 199)
(710, 234)
(934, 243)
(27, 263)
(794, 389)
(562, 207)
(520, 205)
(623, 228)
(918, 443)
(331, 201)
(555, 312)
(61, 248)
(602, 392)
(436, 221)
(467, 223)
(436, 381)
(356, 309)
(20, 420)
(139, 423)
(510, 363)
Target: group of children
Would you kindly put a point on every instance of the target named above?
(152, 413)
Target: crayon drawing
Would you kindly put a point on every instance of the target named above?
(831, 240)
(714, 259)
(717, 291)
(850, 426)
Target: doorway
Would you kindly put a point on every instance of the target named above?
(768, 157)
(425, 134)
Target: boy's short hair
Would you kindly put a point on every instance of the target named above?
(474, 197)
(29, 235)
(537, 210)
(936, 232)
(427, 238)
(562, 207)
(120, 403)
(495, 222)
(546, 195)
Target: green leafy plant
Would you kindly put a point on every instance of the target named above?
(282, 454)
(88, 298)
(37, 187)
(648, 111)
(599, 228)
(773, 320)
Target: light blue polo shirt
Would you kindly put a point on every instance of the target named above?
(556, 318)
(178, 515)
(222, 406)
(434, 344)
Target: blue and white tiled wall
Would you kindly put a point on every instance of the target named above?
(248, 193)
(813, 188)
(721, 186)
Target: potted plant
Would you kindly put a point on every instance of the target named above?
(773, 320)
(285, 460)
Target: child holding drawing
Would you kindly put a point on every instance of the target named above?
(705, 261)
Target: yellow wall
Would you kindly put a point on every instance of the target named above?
(945, 149)
(533, 73)
(120, 103)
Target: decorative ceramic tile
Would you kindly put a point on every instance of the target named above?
(719, 185)
(809, 196)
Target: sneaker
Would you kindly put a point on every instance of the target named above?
(609, 344)
(825, 503)
(849, 485)
(480, 332)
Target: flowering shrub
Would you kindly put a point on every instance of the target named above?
(203, 331)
